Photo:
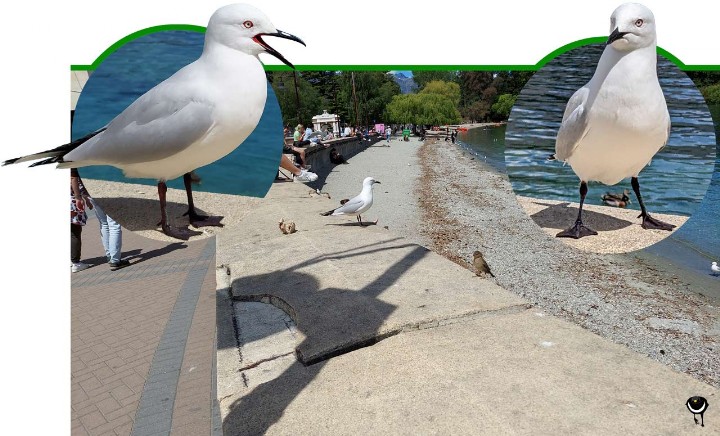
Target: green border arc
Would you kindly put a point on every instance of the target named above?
(200, 29)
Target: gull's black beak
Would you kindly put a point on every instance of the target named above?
(615, 35)
(378, 182)
(280, 34)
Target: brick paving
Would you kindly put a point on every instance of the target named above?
(143, 339)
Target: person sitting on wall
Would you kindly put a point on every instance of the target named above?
(336, 157)
(299, 137)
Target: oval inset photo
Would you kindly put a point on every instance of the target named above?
(611, 131)
(175, 130)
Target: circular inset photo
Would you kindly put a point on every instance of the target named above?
(220, 184)
(610, 144)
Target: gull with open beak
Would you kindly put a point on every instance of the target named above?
(195, 117)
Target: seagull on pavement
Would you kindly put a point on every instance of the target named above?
(621, 111)
(195, 117)
(356, 205)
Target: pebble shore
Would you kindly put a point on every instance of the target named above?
(467, 205)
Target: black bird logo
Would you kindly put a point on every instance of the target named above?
(697, 405)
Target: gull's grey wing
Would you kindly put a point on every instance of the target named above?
(162, 122)
(352, 206)
(574, 124)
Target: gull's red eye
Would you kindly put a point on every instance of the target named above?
(248, 24)
(639, 23)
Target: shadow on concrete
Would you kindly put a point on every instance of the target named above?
(561, 216)
(335, 318)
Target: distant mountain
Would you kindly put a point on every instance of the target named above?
(407, 84)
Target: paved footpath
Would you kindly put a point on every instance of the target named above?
(143, 339)
(368, 333)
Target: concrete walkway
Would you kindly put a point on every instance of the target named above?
(381, 336)
(143, 339)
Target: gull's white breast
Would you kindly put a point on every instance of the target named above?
(628, 124)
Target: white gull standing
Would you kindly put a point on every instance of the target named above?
(195, 117)
(358, 204)
(715, 268)
(620, 112)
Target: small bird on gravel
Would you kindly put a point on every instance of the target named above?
(697, 406)
(356, 205)
(481, 267)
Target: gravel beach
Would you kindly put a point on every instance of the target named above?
(436, 195)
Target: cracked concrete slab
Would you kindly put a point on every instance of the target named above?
(515, 373)
(342, 292)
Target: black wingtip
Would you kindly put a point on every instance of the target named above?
(551, 157)
(10, 161)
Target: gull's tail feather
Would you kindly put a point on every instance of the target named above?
(328, 213)
(52, 156)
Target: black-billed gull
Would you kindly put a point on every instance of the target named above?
(620, 112)
(358, 204)
(195, 117)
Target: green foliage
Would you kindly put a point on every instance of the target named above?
(482, 90)
(711, 93)
(501, 109)
(373, 90)
(422, 78)
(426, 109)
(310, 100)
(704, 78)
(450, 90)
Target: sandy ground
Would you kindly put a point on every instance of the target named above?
(619, 230)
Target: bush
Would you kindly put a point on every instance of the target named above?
(711, 93)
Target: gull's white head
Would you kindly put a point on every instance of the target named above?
(632, 26)
(369, 181)
(714, 264)
(242, 27)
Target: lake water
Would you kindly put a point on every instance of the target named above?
(676, 180)
(141, 64)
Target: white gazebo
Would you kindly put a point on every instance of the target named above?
(326, 119)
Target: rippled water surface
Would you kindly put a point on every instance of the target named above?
(676, 180)
(141, 64)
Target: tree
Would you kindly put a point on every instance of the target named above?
(450, 90)
(310, 100)
(424, 77)
(425, 109)
(501, 109)
(373, 90)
